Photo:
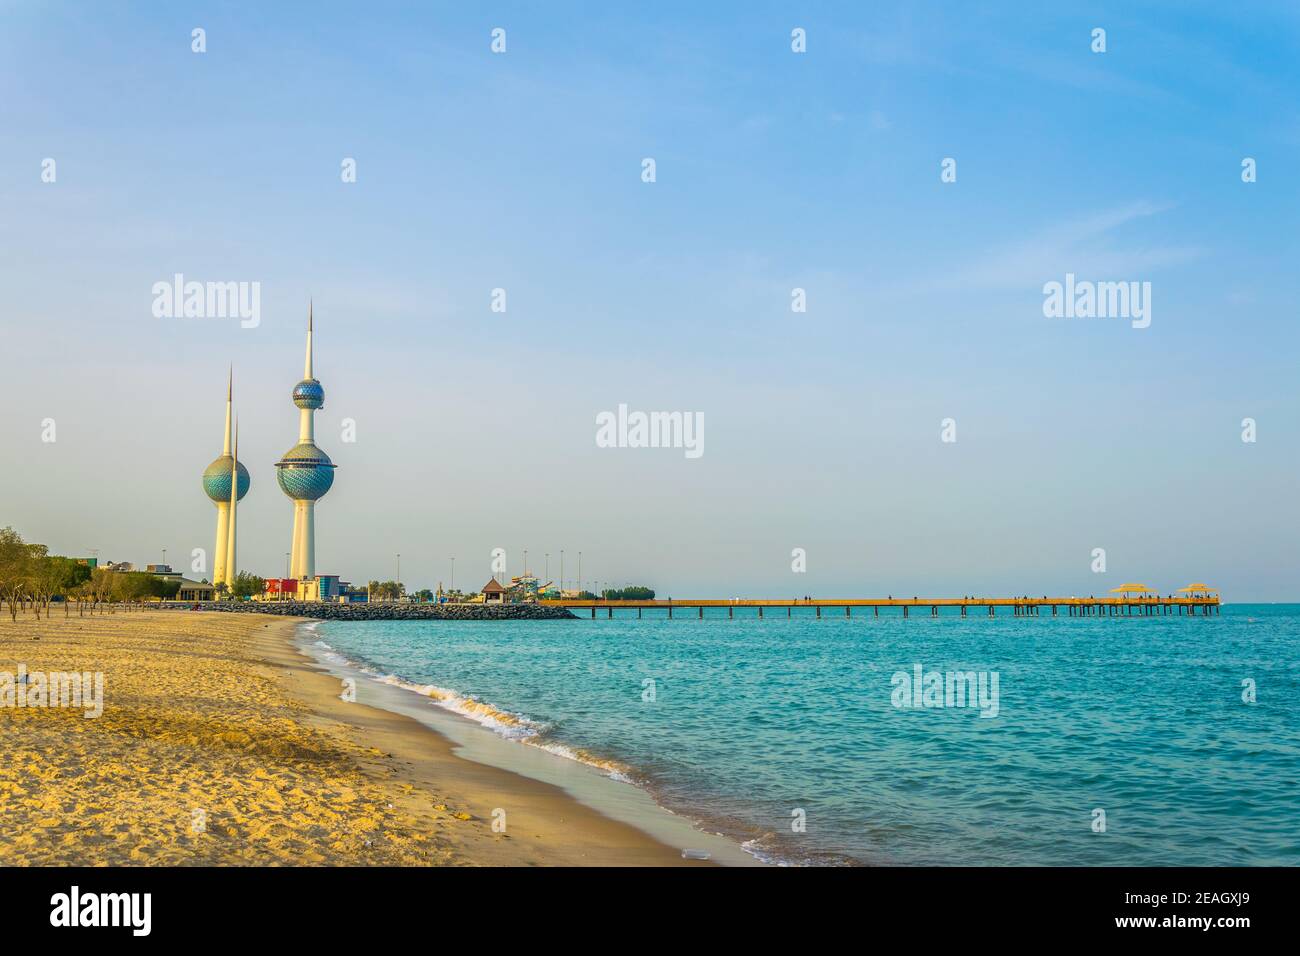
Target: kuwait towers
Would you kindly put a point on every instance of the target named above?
(305, 472)
(226, 481)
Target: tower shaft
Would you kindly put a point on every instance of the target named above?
(223, 537)
(233, 506)
(302, 560)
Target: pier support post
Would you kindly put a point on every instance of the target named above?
(991, 614)
(848, 611)
(638, 614)
(760, 612)
(819, 611)
(701, 612)
(789, 611)
(904, 610)
(593, 612)
(731, 611)
(876, 608)
(611, 613)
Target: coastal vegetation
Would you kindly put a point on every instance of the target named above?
(624, 594)
(247, 585)
(386, 590)
(32, 579)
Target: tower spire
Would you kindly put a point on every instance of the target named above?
(230, 386)
(307, 372)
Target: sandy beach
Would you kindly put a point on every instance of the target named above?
(219, 743)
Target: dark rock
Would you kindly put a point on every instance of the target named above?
(386, 612)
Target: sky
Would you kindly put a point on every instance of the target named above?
(774, 170)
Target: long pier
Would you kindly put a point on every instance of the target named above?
(1131, 606)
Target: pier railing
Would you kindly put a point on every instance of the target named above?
(1131, 606)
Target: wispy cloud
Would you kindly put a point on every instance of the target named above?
(1087, 245)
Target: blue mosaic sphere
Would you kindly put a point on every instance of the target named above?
(308, 394)
(216, 479)
(305, 472)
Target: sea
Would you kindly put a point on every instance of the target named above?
(1165, 741)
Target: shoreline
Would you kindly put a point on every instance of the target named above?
(600, 786)
(423, 752)
(221, 743)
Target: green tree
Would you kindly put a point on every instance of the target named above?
(164, 589)
(131, 587)
(66, 575)
(14, 569)
(101, 587)
(247, 585)
(628, 594)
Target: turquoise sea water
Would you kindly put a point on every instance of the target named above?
(752, 721)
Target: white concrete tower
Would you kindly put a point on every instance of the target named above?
(218, 485)
(305, 472)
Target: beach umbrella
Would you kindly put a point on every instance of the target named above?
(1132, 589)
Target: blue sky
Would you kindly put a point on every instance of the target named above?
(775, 170)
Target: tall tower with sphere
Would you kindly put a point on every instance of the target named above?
(305, 472)
(225, 481)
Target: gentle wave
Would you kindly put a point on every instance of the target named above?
(512, 726)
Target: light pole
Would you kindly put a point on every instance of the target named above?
(548, 567)
(452, 582)
(164, 557)
(561, 572)
(286, 565)
(579, 570)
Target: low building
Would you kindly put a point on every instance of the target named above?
(195, 591)
(328, 587)
(323, 587)
(493, 592)
(279, 589)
